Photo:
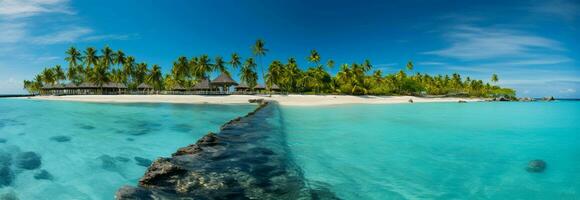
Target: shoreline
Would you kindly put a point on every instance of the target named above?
(286, 100)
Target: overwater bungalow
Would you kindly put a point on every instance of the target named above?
(83, 89)
(223, 83)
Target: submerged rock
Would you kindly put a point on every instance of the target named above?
(130, 139)
(143, 161)
(43, 175)
(248, 159)
(60, 138)
(108, 162)
(2, 140)
(6, 176)
(86, 127)
(132, 193)
(122, 159)
(28, 160)
(5, 159)
(9, 196)
(536, 166)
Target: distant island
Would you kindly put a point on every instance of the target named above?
(113, 72)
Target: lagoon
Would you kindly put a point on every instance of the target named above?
(396, 151)
(438, 150)
(89, 150)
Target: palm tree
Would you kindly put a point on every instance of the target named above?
(73, 57)
(140, 73)
(59, 74)
(129, 70)
(494, 78)
(330, 64)
(90, 58)
(48, 76)
(204, 66)
(410, 65)
(275, 73)
(248, 74)
(367, 66)
(292, 75)
(220, 65)
(108, 57)
(259, 50)
(314, 57)
(119, 58)
(235, 61)
(180, 69)
(71, 73)
(155, 78)
(117, 76)
(100, 75)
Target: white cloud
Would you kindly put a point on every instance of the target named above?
(27, 8)
(431, 63)
(70, 35)
(567, 9)
(110, 37)
(537, 61)
(475, 43)
(12, 32)
(568, 90)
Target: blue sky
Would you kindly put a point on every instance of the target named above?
(532, 45)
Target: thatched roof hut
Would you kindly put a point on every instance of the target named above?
(259, 87)
(144, 86)
(224, 80)
(202, 85)
(274, 87)
(242, 86)
(178, 88)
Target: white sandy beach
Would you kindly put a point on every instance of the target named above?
(290, 100)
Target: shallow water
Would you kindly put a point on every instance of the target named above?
(438, 150)
(90, 149)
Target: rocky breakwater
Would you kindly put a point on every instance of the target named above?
(247, 159)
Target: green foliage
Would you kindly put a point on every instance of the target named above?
(352, 79)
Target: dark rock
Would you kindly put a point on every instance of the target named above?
(536, 166)
(133, 193)
(60, 138)
(550, 98)
(161, 173)
(410, 100)
(209, 139)
(43, 175)
(191, 149)
(143, 161)
(6, 176)
(28, 160)
(2, 140)
(461, 101)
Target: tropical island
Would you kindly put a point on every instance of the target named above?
(113, 72)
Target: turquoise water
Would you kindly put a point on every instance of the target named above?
(438, 150)
(89, 149)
